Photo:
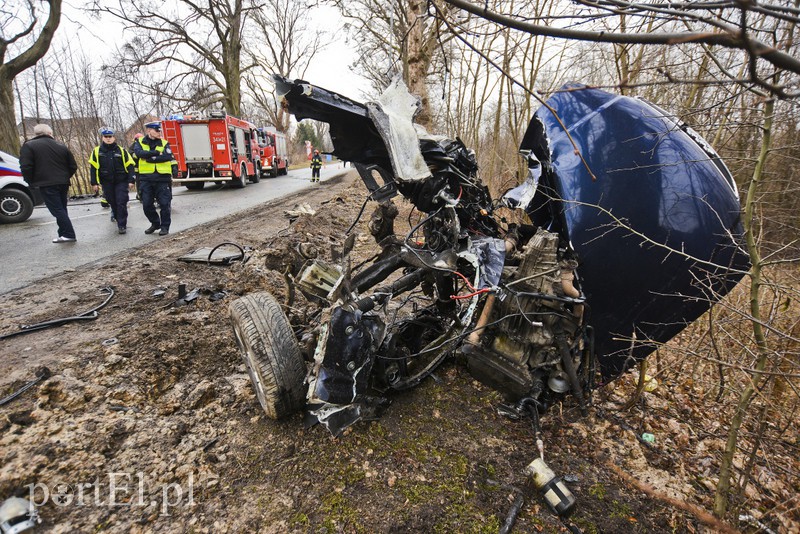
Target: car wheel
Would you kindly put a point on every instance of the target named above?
(257, 174)
(271, 354)
(195, 186)
(241, 181)
(15, 206)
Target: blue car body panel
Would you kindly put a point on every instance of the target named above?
(656, 230)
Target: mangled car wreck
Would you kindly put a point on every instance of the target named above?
(633, 233)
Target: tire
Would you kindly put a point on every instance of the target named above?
(15, 206)
(195, 186)
(241, 182)
(273, 172)
(271, 354)
(284, 170)
(257, 174)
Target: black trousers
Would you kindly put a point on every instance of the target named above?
(55, 198)
(161, 191)
(116, 193)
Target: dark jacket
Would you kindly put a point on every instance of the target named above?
(114, 164)
(44, 161)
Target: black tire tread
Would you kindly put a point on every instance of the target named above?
(23, 199)
(276, 355)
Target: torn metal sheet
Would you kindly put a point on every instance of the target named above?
(214, 256)
(393, 115)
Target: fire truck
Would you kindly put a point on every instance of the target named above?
(272, 147)
(213, 148)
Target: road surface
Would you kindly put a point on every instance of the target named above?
(27, 253)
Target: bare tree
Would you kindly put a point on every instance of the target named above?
(191, 53)
(396, 36)
(18, 26)
(715, 24)
(282, 43)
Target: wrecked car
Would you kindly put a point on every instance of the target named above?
(634, 231)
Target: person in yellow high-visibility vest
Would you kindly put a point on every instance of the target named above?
(111, 167)
(155, 171)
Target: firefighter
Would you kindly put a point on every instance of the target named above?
(156, 170)
(112, 169)
(316, 165)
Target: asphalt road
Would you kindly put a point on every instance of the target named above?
(27, 253)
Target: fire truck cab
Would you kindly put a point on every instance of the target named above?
(273, 151)
(215, 147)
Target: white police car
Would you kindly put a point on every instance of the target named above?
(16, 196)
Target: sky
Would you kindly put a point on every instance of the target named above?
(329, 69)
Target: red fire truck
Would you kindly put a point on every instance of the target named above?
(272, 147)
(213, 148)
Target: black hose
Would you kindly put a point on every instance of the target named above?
(511, 517)
(44, 373)
(241, 249)
(572, 375)
(88, 315)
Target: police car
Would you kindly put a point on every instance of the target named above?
(17, 199)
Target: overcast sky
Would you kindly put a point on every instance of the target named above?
(329, 69)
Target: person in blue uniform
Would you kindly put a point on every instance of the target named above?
(111, 167)
(155, 171)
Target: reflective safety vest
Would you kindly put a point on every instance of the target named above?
(94, 158)
(148, 167)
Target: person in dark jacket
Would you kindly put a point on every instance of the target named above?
(112, 168)
(316, 165)
(48, 165)
(156, 171)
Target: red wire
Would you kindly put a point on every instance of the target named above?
(475, 294)
(472, 288)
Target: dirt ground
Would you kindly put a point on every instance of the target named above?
(149, 422)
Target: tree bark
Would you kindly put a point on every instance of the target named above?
(9, 137)
(418, 60)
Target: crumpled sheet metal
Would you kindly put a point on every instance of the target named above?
(393, 115)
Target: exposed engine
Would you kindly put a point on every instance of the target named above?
(535, 338)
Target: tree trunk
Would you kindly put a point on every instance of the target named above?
(418, 60)
(9, 137)
(725, 469)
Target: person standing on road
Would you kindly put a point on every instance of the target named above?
(155, 177)
(112, 168)
(316, 165)
(48, 165)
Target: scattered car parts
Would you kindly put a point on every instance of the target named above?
(635, 233)
(17, 515)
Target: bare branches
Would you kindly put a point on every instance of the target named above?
(187, 40)
(711, 29)
(9, 139)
